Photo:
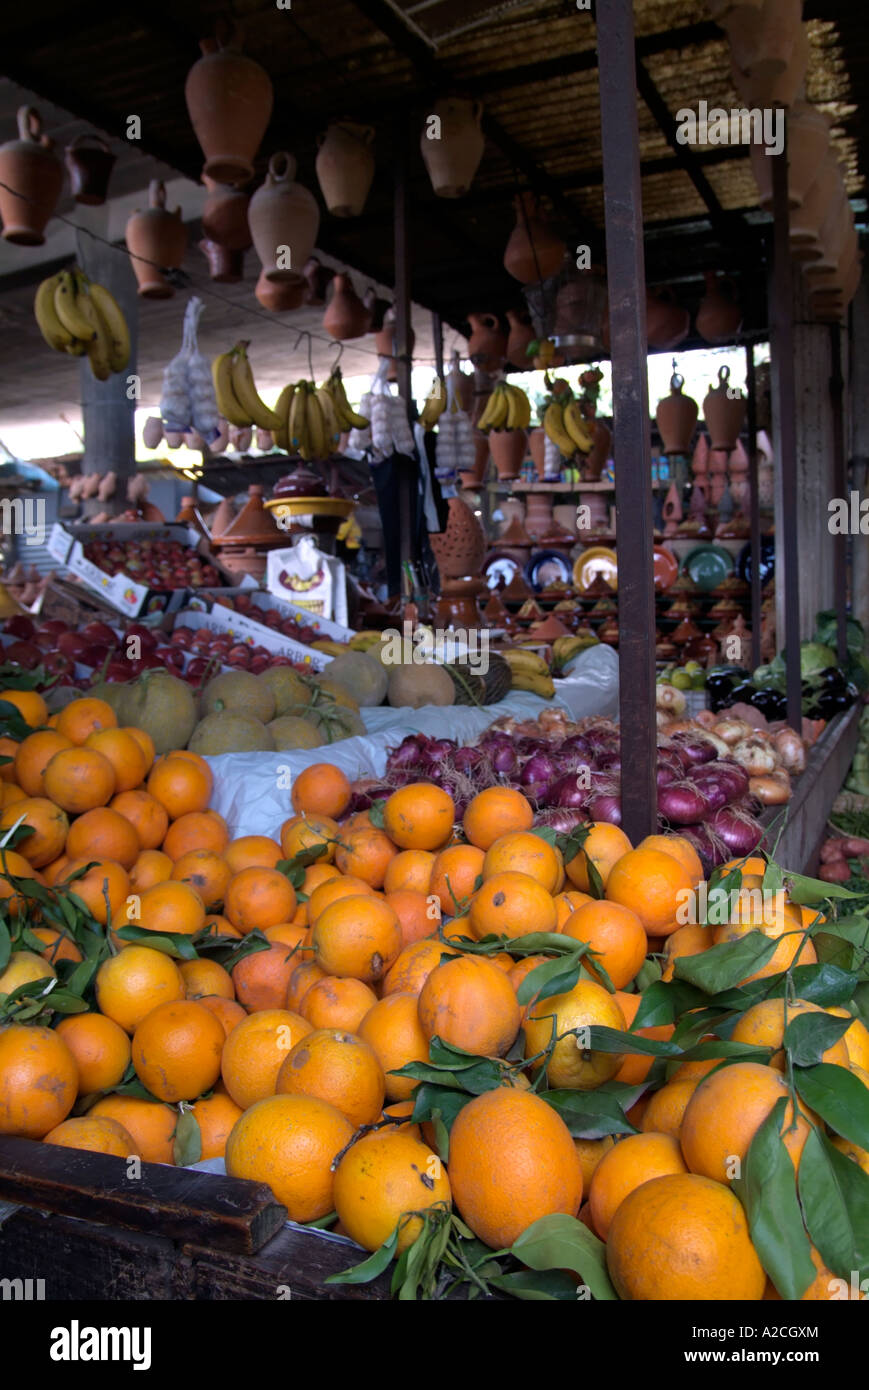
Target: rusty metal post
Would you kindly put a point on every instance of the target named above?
(753, 503)
(408, 477)
(840, 489)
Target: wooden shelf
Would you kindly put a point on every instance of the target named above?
(518, 485)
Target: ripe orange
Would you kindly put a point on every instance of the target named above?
(689, 940)
(341, 886)
(337, 1003)
(306, 974)
(14, 866)
(791, 948)
(456, 874)
(409, 871)
(103, 834)
(724, 1114)
(400, 1114)
(413, 965)
(262, 979)
(124, 753)
(683, 1237)
(471, 1004)
(150, 1124)
(289, 1143)
(615, 933)
(217, 926)
(196, 830)
(205, 871)
(176, 1050)
(381, 1179)
(635, 1066)
(259, 898)
(365, 853)
(512, 1161)
(495, 812)
(751, 864)
(10, 792)
(32, 757)
(653, 885)
(392, 1028)
(289, 934)
(358, 936)
(203, 976)
(511, 904)
(105, 879)
(604, 846)
(50, 828)
(56, 871)
(96, 1133)
(30, 705)
(170, 907)
(146, 745)
(181, 785)
(228, 1012)
(856, 1039)
(82, 717)
(58, 945)
(763, 1025)
(148, 818)
(418, 914)
(24, 968)
(252, 852)
(567, 903)
(339, 1068)
(419, 816)
(573, 1065)
(678, 848)
(255, 1050)
(666, 1108)
(590, 1152)
(79, 779)
(132, 983)
(517, 972)
(215, 1117)
(151, 867)
(38, 1080)
(321, 790)
(525, 853)
(635, 1160)
(309, 833)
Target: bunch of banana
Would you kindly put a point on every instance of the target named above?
(566, 428)
(237, 397)
(564, 649)
(366, 639)
(577, 427)
(508, 408)
(78, 316)
(529, 671)
(435, 404)
(330, 646)
(347, 418)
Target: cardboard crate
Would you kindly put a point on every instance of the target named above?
(265, 601)
(221, 619)
(124, 593)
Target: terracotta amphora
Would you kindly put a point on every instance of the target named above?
(30, 167)
(156, 239)
(89, 162)
(452, 145)
(345, 167)
(284, 220)
(487, 345)
(346, 316)
(534, 252)
(224, 216)
(676, 417)
(724, 414)
(229, 101)
(719, 317)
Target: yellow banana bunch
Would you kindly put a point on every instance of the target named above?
(78, 316)
(282, 410)
(330, 417)
(518, 408)
(347, 417)
(496, 410)
(245, 393)
(228, 403)
(553, 424)
(435, 404)
(577, 427)
(564, 649)
(528, 671)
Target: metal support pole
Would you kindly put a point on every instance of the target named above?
(787, 574)
(626, 281)
(840, 489)
(753, 504)
(408, 477)
(437, 333)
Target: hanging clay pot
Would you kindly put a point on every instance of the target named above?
(284, 220)
(224, 216)
(724, 413)
(30, 167)
(667, 324)
(452, 145)
(224, 266)
(534, 252)
(279, 296)
(808, 145)
(522, 332)
(346, 315)
(676, 417)
(156, 240)
(487, 345)
(719, 317)
(508, 449)
(89, 168)
(700, 458)
(229, 101)
(317, 278)
(345, 167)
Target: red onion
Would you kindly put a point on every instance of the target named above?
(610, 762)
(365, 792)
(567, 792)
(666, 774)
(713, 791)
(576, 744)
(407, 753)
(466, 759)
(681, 803)
(697, 748)
(710, 847)
(731, 775)
(539, 768)
(503, 759)
(560, 818)
(740, 832)
(605, 806)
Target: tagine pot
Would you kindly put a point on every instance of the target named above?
(534, 252)
(284, 220)
(156, 239)
(30, 166)
(345, 167)
(719, 317)
(676, 417)
(229, 100)
(452, 145)
(89, 163)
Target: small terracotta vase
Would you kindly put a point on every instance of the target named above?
(672, 510)
(224, 216)
(537, 449)
(224, 266)
(345, 167)
(538, 514)
(719, 317)
(281, 296)
(667, 324)
(156, 239)
(229, 100)
(89, 168)
(284, 220)
(452, 145)
(346, 315)
(487, 345)
(522, 332)
(534, 252)
(317, 278)
(461, 547)
(508, 449)
(676, 417)
(724, 413)
(30, 167)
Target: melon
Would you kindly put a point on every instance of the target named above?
(160, 704)
(363, 677)
(230, 731)
(289, 731)
(414, 686)
(63, 695)
(287, 686)
(331, 720)
(239, 691)
(336, 693)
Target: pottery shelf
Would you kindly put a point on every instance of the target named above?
(519, 486)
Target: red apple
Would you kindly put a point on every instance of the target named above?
(57, 663)
(147, 636)
(170, 657)
(259, 663)
(182, 637)
(24, 654)
(99, 632)
(239, 655)
(94, 654)
(19, 625)
(72, 644)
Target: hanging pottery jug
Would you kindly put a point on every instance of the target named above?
(318, 278)
(279, 296)
(346, 315)
(487, 345)
(667, 324)
(719, 317)
(284, 220)
(452, 145)
(224, 266)
(156, 240)
(522, 332)
(533, 252)
(229, 101)
(676, 417)
(89, 169)
(30, 167)
(724, 413)
(345, 167)
(224, 216)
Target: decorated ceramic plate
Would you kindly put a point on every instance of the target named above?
(596, 560)
(545, 568)
(767, 560)
(498, 570)
(708, 566)
(666, 567)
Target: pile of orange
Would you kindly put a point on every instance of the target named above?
(285, 1055)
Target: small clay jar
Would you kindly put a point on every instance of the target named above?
(667, 324)
(281, 296)
(719, 317)
(229, 100)
(156, 239)
(284, 219)
(534, 252)
(487, 345)
(521, 333)
(452, 145)
(89, 168)
(30, 166)
(346, 315)
(508, 449)
(724, 413)
(345, 167)
(317, 279)
(676, 417)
